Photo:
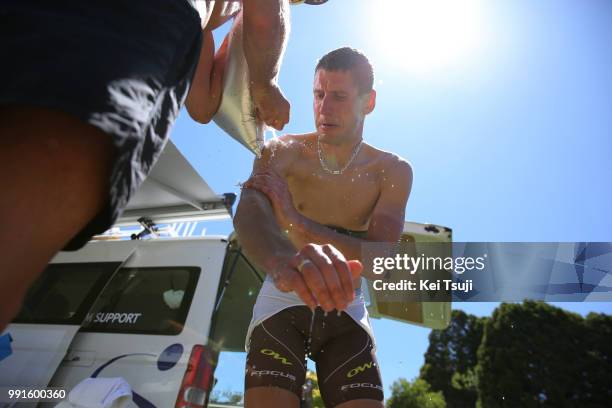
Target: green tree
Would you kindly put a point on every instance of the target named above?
(451, 359)
(537, 355)
(417, 394)
(312, 384)
(227, 397)
(594, 370)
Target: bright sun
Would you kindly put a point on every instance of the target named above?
(424, 35)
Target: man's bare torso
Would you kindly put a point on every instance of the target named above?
(341, 200)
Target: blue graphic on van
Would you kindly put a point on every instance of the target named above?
(166, 360)
(112, 360)
(170, 356)
(138, 399)
(5, 346)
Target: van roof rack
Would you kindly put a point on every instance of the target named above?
(175, 192)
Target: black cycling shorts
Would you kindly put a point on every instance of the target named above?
(342, 350)
(123, 66)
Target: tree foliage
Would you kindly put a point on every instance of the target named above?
(313, 381)
(525, 355)
(417, 394)
(227, 397)
(451, 359)
(537, 355)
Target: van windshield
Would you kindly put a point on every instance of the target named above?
(64, 293)
(144, 301)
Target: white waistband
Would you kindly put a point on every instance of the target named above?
(271, 301)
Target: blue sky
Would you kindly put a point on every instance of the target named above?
(503, 109)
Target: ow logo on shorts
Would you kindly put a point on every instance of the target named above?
(359, 369)
(272, 353)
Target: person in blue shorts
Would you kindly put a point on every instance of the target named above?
(89, 92)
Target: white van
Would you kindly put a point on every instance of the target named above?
(156, 312)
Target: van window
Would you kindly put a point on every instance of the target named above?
(144, 301)
(64, 293)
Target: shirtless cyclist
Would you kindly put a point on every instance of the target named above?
(309, 205)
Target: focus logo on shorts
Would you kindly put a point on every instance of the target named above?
(360, 385)
(273, 373)
(358, 370)
(126, 318)
(272, 353)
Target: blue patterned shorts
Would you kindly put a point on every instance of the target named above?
(123, 66)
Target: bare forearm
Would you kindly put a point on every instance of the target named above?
(266, 27)
(258, 232)
(307, 231)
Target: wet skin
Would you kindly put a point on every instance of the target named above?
(370, 195)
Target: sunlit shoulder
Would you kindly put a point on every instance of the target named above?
(290, 143)
(396, 167)
(280, 152)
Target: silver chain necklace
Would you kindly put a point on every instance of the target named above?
(327, 169)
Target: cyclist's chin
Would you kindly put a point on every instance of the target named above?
(329, 132)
